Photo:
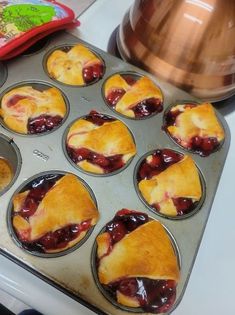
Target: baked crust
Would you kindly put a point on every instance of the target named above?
(22, 103)
(67, 202)
(141, 90)
(111, 138)
(145, 252)
(199, 121)
(6, 173)
(67, 67)
(181, 179)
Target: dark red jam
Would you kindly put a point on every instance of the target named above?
(93, 73)
(155, 296)
(204, 146)
(161, 160)
(142, 109)
(52, 240)
(43, 123)
(108, 164)
(123, 223)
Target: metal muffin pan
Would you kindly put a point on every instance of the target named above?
(72, 273)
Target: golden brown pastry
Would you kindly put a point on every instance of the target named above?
(27, 110)
(137, 98)
(55, 215)
(195, 127)
(6, 173)
(100, 144)
(77, 66)
(136, 259)
(172, 188)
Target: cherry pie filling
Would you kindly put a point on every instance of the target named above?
(108, 164)
(156, 296)
(51, 240)
(202, 145)
(93, 73)
(158, 162)
(38, 124)
(43, 123)
(144, 108)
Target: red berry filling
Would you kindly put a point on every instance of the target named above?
(123, 223)
(43, 123)
(98, 119)
(202, 145)
(161, 160)
(108, 164)
(93, 73)
(52, 240)
(142, 109)
(156, 296)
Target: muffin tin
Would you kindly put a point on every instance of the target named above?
(30, 155)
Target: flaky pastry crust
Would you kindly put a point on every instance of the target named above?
(111, 138)
(67, 202)
(141, 90)
(199, 121)
(22, 103)
(181, 179)
(145, 252)
(67, 67)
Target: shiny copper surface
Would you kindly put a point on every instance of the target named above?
(190, 43)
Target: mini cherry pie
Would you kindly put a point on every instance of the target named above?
(136, 263)
(99, 143)
(27, 110)
(195, 127)
(76, 65)
(54, 213)
(133, 96)
(169, 182)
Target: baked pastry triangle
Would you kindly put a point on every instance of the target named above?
(173, 189)
(137, 98)
(142, 263)
(28, 110)
(55, 215)
(195, 127)
(99, 143)
(77, 66)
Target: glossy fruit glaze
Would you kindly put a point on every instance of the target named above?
(159, 161)
(108, 164)
(201, 145)
(93, 73)
(155, 296)
(43, 123)
(142, 109)
(58, 239)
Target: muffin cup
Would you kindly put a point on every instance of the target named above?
(10, 152)
(198, 205)
(106, 294)
(164, 127)
(27, 185)
(80, 168)
(134, 76)
(65, 48)
(40, 86)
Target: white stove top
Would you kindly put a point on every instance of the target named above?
(211, 285)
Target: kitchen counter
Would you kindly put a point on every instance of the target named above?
(210, 289)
